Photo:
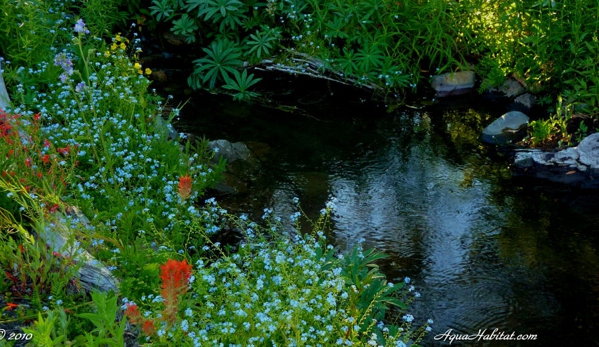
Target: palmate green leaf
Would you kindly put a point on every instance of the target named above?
(186, 27)
(227, 12)
(222, 58)
(241, 83)
(262, 41)
(347, 62)
(336, 28)
(162, 9)
(368, 57)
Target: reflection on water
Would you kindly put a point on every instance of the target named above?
(485, 251)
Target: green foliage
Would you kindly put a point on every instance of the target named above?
(229, 13)
(102, 15)
(494, 76)
(27, 31)
(388, 45)
(287, 289)
(262, 42)
(162, 9)
(553, 131)
(240, 84)
(186, 27)
(222, 58)
(540, 131)
(49, 331)
(107, 331)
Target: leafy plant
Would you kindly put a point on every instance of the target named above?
(49, 331)
(226, 12)
(222, 58)
(163, 10)
(186, 27)
(288, 289)
(241, 84)
(262, 42)
(107, 330)
(369, 57)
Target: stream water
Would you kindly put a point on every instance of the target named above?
(486, 251)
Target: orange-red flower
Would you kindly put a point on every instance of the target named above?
(133, 313)
(64, 150)
(148, 327)
(185, 187)
(175, 278)
(10, 306)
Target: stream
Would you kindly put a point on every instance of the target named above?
(485, 250)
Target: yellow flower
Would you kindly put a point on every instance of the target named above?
(148, 71)
(118, 37)
(122, 45)
(137, 66)
(113, 47)
(107, 54)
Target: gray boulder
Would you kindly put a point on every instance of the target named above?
(453, 83)
(588, 151)
(229, 151)
(574, 165)
(510, 88)
(525, 101)
(4, 98)
(506, 128)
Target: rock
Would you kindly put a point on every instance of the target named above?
(4, 97)
(574, 165)
(509, 89)
(525, 101)
(165, 129)
(588, 150)
(93, 275)
(524, 158)
(454, 83)
(229, 151)
(505, 128)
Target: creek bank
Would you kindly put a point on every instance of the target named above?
(574, 165)
(577, 166)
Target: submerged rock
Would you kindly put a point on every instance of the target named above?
(453, 83)
(506, 128)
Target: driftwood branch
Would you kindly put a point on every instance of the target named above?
(306, 65)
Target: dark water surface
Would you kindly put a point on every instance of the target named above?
(485, 251)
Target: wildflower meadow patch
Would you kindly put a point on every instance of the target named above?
(85, 130)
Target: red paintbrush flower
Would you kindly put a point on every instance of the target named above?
(133, 313)
(148, 327)
(185, 187)
(175, 278)
(11, 306)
